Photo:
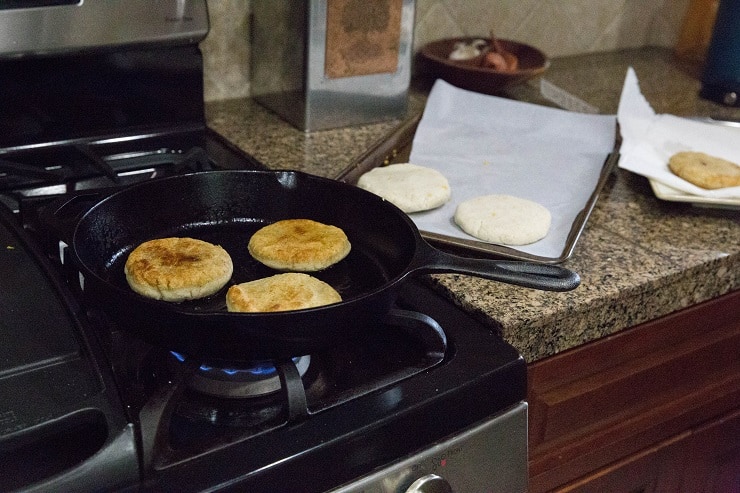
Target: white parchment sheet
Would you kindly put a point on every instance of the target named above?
(649, 140)
(490, 145)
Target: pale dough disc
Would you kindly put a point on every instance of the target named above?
(282, 292)
(409, 187)
(705, 171)
(503, 219)
(299, 245)
(177, 269)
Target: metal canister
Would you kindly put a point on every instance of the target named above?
(323, 64)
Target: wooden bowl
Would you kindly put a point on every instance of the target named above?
(466, 75)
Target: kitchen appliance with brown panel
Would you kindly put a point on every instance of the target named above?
(425, 397)
(330, 63)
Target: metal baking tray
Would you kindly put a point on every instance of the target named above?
(396, 148)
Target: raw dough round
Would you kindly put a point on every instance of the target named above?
(503, 219)
(409, 187)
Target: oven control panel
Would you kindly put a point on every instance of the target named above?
(490, 457)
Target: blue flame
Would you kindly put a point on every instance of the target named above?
(259, 368)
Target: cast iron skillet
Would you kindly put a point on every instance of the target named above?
(226, 208)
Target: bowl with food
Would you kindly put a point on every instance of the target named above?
(485, 65)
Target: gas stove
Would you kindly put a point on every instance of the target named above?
(93, 397)
(425, 397)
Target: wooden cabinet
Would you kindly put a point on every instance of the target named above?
(652, 408)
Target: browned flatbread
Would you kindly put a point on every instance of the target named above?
(178, 269)
(705, 171)
(282, 292)
(299, 245)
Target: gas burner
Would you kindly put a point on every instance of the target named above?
(201, 415)
(240, 381)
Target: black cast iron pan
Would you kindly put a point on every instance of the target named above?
(226, 208)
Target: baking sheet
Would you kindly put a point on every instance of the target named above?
(650, 139)
(490, 145)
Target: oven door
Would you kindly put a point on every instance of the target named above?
(491, 457)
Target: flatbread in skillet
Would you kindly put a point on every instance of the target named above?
(301, 245)
(178, 269)
(281, 292)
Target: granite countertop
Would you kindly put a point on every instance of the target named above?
(639, 258)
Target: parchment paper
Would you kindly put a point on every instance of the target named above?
(649, 140)
(490, 145)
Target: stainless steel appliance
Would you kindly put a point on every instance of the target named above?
(426, 398)
(323, 64)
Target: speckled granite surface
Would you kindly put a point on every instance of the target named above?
(639, 258)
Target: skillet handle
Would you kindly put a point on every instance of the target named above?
(526, 274)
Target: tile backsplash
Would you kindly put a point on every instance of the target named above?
(558, 27)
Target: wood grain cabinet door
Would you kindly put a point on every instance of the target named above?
(643, 405)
